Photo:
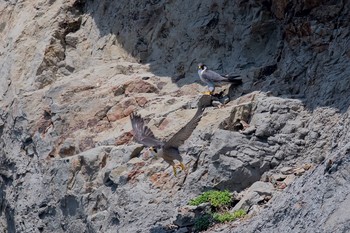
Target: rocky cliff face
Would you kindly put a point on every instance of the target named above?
(72, 72)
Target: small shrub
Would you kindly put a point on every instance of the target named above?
(228, 217)
(239, 213)
(204, 197)
(220, 198)
(202, 223)
(216, 198)
(219, 201)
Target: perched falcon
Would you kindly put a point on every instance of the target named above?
(213, 79)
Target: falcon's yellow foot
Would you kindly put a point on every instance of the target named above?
(182, 166)
(174, 169)
(207, 93)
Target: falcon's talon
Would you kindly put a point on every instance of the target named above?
(174, 170)
(181, 165)
(207, 93)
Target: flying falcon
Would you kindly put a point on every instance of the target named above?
(213, 79)
(169, 150)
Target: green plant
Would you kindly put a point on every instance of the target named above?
(202, 223)
(227, 216)
(216, 198)
(219, 200)
(200, 199)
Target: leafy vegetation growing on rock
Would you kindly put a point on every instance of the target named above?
(228, 217)
(202, 223)
(216, 198)
(219, 201)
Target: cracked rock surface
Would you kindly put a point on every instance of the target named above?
(72, 72)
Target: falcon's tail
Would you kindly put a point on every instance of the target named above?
(234, 79)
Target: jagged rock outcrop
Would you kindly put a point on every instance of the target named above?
(72, 71)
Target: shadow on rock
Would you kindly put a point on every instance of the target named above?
(280, 50)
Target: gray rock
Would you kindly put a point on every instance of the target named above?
(255, 194)
(185, 217)
(67, 148)
(187, 214)
(77, 51)
(262, 188)
(182, 230)
(307, 203)
(250, 199)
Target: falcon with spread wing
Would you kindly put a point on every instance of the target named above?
(168, 150)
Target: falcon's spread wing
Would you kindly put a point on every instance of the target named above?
(143, 134)
(183, 134)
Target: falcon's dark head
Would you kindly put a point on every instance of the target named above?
(202, 66)
(153, 149)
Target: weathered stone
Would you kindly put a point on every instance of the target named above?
(128, 110)
(248, 201)
(115, 114)
(119, 90)
(299, 171)
(286, 170)
(289, 179)
(278, 8)
(119, 175)
(262, 188)
(183, 230)
(123, 139)
(187, 214)
(141, 101)
(67, 148)
(255, 194)
(122, 109)
(295, 56)
(185, 217)
(102, 113)
(278, 177)
(239, 113)
(140, 86)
